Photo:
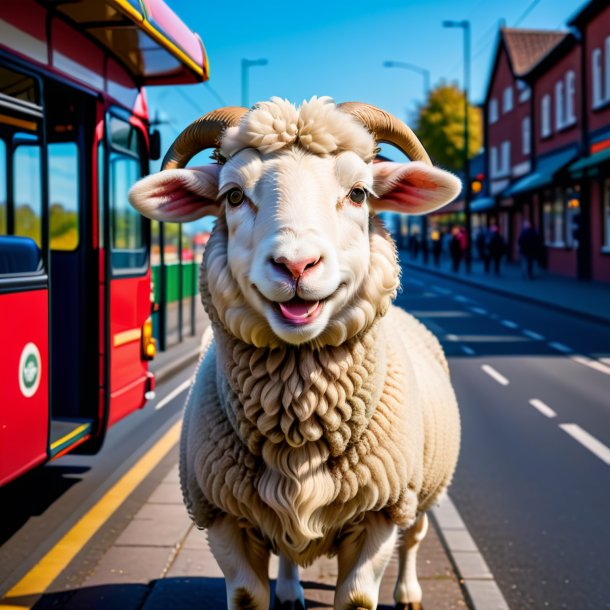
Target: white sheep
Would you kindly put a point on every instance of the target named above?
(321, 418)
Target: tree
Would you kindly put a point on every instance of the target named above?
(439, 125)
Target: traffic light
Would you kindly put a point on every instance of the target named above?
(476, 185)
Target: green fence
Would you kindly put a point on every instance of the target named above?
(190, 274)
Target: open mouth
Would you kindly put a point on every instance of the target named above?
(300, 311)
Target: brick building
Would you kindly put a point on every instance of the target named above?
(547, 141)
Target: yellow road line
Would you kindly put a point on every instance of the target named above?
(29, 589)
(63, 439)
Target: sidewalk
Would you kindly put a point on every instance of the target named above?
(161, 562)
(583, 298)
(149, 556)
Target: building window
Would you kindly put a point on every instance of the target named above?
(505, 157)
(526, 135)
(606, 216)
(554, 214)
(570, 114)
(507, 100)
(493, 110)
(596, 68)
(545, 123)
(493, 162)
(573, 217)
(559, 102)
(524, 91)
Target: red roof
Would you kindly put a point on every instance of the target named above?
(526, 48)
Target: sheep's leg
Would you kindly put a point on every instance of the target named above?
(408, 594)
(363, 555)
(244, 561)
(289, 594)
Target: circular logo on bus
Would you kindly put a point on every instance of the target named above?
(29, 370)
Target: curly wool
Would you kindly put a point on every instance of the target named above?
(300, 442)
(316, 125)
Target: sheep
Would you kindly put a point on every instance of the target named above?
(321, 419)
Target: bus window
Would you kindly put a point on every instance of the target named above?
(63, 195)
(129, 248)
(28, 197)
(20, 174)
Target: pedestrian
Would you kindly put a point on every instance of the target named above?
(529, 247)
(480, 243)
(456, 248)
(495, 248)
(437, 246)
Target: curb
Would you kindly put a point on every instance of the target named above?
(475, 577)
(169, 370)
(509, 293)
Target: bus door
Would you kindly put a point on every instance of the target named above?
(70, 118)
(24, 294)
(128, 288)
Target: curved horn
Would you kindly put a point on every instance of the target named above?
(387, 128)
(203, 133)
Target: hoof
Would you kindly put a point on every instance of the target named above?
(409, 606)
(293, 604)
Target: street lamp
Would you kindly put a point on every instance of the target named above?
(426, 76)
(246, 64)
(407, 66)
(465, 26)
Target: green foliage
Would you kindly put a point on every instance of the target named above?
(440, 127)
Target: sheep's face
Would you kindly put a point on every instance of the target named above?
(298, 256)
(298, 238)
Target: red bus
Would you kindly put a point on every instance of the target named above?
(75, 280)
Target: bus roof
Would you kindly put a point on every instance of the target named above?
(147, 37)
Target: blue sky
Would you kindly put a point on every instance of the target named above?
(337, 48)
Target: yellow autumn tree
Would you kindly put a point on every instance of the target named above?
(439, 125)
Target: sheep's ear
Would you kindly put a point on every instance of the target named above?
(412, 188)
(177, 195)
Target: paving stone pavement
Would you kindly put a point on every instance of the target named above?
(161, 562)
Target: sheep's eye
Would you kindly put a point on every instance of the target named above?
(235, 196)
(357, 195)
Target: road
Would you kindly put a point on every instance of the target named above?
(533, 481)
(39, 508)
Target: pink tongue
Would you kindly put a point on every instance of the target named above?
(297, 308)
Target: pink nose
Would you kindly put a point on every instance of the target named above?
(296, 268)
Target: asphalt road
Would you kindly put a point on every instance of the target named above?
(533, 481)
(39, 508)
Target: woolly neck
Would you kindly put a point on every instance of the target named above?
(290, 396)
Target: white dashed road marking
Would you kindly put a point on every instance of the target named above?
(532, 335)
(494, 374)
(479, 310)
(560, 347)
(468, 350)
(594, 364)
(509, 324)
(452, 338)
(586, 440)
(441, 290)
(175, 392)
(542, 407)
(461, 299)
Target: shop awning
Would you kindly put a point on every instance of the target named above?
(482, 204)
(545, 171)
(590, 161)
(147, 37)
